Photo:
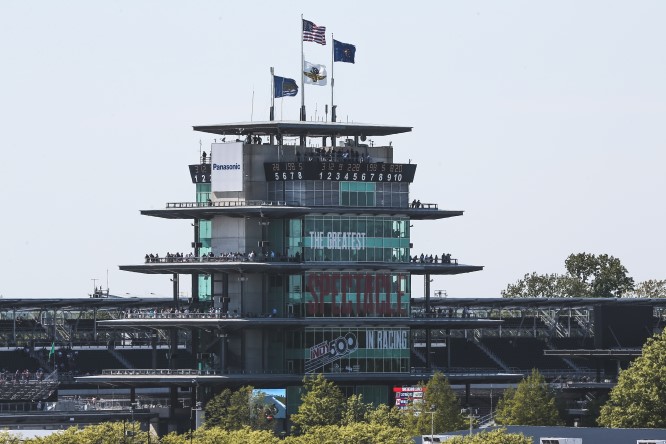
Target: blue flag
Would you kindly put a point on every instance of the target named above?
(343, 52)
(284, 87)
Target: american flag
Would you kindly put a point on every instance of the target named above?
(314, 33)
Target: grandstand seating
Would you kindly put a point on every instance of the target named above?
(144, 358)
(18, 359)
(92, 361)
(573, 343)
(524, 353)
(464, 354)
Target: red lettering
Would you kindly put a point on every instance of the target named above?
(368, 294)
(399, 292)
(311, 306)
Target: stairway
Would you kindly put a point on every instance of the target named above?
(124, 361)
(490, 354)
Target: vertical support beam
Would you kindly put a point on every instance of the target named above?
(223, 351)
(173, 348)
(173, 401)
(153, 345)
(426, 289)
(176, 298)
(95, 324)
(14, 327)
(197, 252)
(132, 396)
(225, 292)
(448, 349)
(467, 391)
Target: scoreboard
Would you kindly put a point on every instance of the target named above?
(200, 173)
(339, 171)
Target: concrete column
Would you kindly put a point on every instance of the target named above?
(222, 337)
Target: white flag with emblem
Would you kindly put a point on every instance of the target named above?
(314, 74)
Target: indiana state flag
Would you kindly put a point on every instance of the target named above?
(282, 86)
(314, 74)
(343, 52)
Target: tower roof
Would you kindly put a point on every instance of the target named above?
(298, 128)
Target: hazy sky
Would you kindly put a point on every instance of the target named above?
(544, 121)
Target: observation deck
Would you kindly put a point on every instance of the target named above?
(204, 265)
(281, 209)
(302, 129)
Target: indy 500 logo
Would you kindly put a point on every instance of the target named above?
(329, 351)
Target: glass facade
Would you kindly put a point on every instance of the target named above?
(355, 238)
(338, 350)
(333, 193)
(205, 235)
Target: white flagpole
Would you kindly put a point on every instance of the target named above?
(272, 89)
(271, 114)
(301, 71)
(332, 77)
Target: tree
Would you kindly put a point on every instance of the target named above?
(499, 436)
(531, 403)
(386, 416)
(104, 433)
(588, 275)
(639, 398)
(440, 399)
(652, 288)
(355, 410)
(357, 433)
(216, 435)
(604, 275)
(545, 286)
(235, 410)
(321, 404)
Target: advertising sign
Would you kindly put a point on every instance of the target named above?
(226, 167)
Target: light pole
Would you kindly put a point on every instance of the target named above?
(432, 422)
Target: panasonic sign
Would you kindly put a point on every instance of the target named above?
(226, 167)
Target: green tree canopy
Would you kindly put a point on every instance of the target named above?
(322, 403)
(499, 436)
(440, 399)
(355, 410)
(217, 435)
(357, 433)
(531, 403)
(652, 288)
(587, 275)
(639, 398)
(231, 410)
(104, 433)
(388, 417)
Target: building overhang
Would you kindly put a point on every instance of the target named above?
(280, 380)
(297, 128)
(596, 353)
(297, 267)
(232, 324)
(189, 210)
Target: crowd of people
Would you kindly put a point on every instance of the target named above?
(333, 155)
(252, 256)
(429, 259)
(21, 377)
(186, 312)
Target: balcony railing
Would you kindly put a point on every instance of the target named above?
(277, 203)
